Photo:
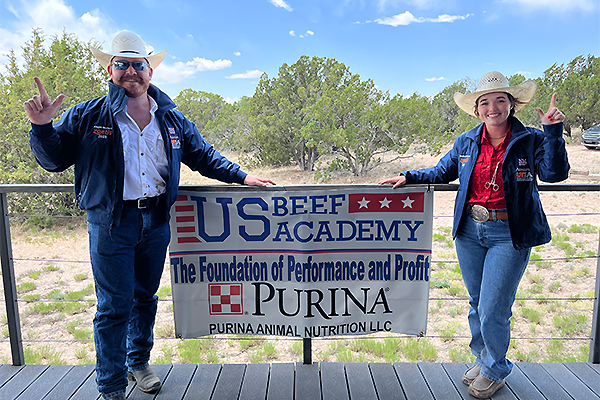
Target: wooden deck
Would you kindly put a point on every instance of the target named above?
(323, 381)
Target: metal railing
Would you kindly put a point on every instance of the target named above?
(10, 289)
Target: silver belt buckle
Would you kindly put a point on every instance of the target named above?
(142, 203)
(479, 213)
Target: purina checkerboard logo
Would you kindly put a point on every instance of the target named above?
(225, 299)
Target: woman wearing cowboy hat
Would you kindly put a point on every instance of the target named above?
(498, 215)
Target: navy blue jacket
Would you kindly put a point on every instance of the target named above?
(530, 154)
(88, 137)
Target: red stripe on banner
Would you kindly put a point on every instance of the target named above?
(386, 202)
(186, 229)
(185, 219)
(188, 239)
(182, 197)
(184, 208)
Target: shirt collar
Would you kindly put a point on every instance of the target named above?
(484, 138)
(153, 105)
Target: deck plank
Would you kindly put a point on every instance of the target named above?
(281, 382)
(307, 382)
(333, 381)
(71, 382)
(203, 382)
(438, 381)
(21, 381)
(287, 381)
(543, 381)
(386, 382)
(412, 382)
(522, 387)
(45, 382)
(176, 383)
(455, 372)
(587, 375)
(256, 380)
(569, 382)
(87, 391)
(7, 372)
(360, 382)
(230, 382)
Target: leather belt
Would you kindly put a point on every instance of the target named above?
(146, 202)
(483, 214)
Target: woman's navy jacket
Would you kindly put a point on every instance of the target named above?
(531, 154)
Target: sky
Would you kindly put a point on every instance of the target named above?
(404, 46)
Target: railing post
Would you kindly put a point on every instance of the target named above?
(10, 288)
(595, 344)
(307, 350)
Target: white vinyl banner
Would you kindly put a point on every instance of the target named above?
(305, 262)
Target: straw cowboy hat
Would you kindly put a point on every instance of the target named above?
(492, 82)
(130, 45)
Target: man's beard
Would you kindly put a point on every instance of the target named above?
(139, 88)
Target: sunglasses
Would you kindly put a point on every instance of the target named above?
(123, 65)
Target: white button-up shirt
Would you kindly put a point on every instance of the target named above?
(146, 165)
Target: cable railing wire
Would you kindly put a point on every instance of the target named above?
(168, 300)
(322, 338)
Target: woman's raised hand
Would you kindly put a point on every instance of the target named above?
(553, 116)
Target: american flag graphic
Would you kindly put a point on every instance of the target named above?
(225, 299)
(185, 220)
(386, 202)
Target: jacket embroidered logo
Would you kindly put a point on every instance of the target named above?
(175, 142)
(102, 132)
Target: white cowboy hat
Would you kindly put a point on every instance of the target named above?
(127, 44)
(492, 82)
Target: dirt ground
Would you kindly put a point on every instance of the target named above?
(65, 250)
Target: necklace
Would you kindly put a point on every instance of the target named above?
(499, 137)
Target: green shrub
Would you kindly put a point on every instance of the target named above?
(531, 314)
(570, 324)
(26, 287)
(164, 292)
(583, 228)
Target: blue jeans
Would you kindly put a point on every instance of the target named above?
(492, 269)
(127, 262)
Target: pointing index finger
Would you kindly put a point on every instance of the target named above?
(41, 88)
(553, 101)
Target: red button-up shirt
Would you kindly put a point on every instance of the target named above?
(487, 171)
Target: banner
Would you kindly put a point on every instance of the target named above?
(301, 261)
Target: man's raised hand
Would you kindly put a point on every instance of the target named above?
(39, 108)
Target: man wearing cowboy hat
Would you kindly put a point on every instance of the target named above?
(127, 148)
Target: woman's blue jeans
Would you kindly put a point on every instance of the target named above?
(127, 262)
(492, 269)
